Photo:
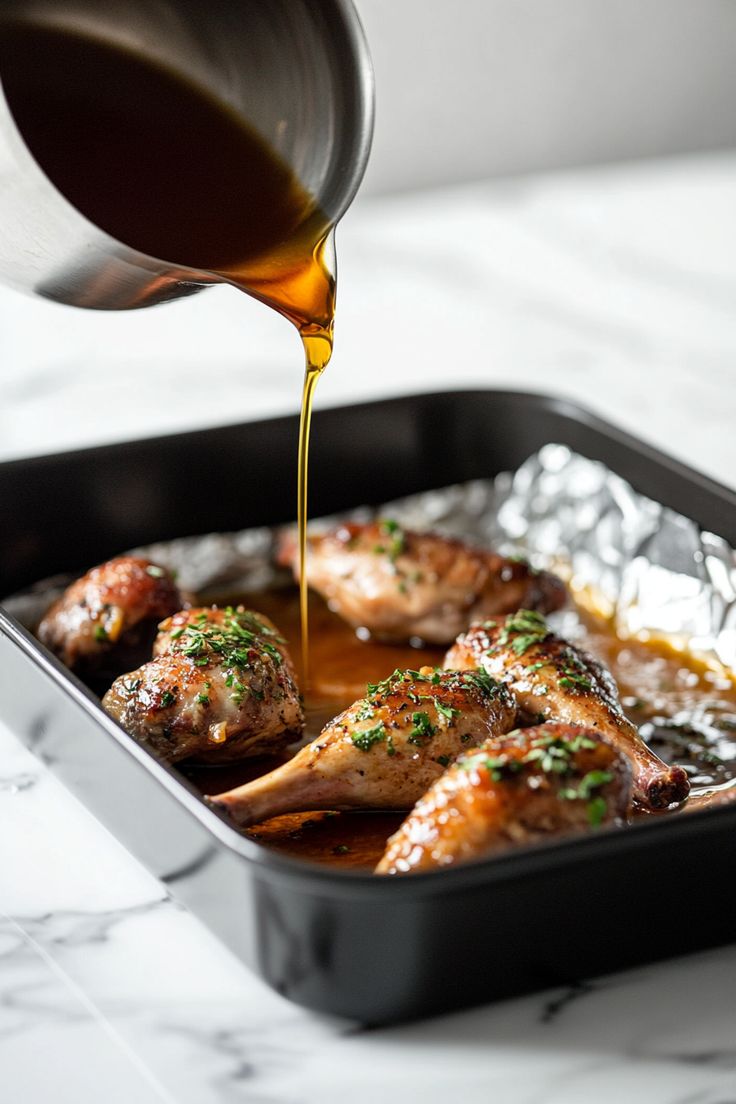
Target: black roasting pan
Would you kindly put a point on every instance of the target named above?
(377, 950)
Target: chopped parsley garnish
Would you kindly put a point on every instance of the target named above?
(596, 811)
(132, 686)
(445, 711)
(369, 736)
(341, 849)
(482, 681)
(593, 780)
(167, 699)
(571, 681)
(233, 642)
(553, 755)
(423, 729)
(366, 712)
(573, 672)
(393, 681)
(203, 699)
(238, 692)
(386, 684)
(501, 767)
(397, 539)
(101, 634)
(522, 631)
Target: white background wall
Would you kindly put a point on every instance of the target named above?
(471, 88)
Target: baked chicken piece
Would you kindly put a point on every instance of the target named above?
(385, 750)
(554, 779)
(398, 585)
(553, 680)
(108, 618)
(220, 687)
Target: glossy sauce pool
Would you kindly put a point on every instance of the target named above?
(656, 686)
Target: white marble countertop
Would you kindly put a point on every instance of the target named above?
(615, 286)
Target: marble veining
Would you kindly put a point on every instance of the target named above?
(616, 286)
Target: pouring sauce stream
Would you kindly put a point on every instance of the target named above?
(163, 166)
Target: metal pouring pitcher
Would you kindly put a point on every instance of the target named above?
(296, 71)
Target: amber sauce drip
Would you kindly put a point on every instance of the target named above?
(161, 165)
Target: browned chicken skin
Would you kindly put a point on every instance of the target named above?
(221, 687)
(399, 585)
(110, 614)
(385, 750)
(553, 680)
(554, 779)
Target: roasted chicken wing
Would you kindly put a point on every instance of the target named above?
(553, 680)
(109, 616)
(385, 750)
(220, 687)
(399, 585)
(553, 779)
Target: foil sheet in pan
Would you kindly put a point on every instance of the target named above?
(648, 570)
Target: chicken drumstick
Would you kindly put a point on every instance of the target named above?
(553, 680)
(553, 779)
(385, 750)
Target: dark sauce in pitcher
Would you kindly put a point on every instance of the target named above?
(158, 163)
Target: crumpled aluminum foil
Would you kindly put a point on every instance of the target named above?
(646, 567)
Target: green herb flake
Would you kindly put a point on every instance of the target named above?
(341, 849)
(445, 711)
(572, 681)
(369, 736)
(366, 712)
(596, 811)
(236, 642)
(167, 699)
(238, 693)
(522, 631)
(203, 699)
(385, 685)
(482, 681)
(499, 767)
(397, 538)
(101, 635)
(593, 780)
(423, 729)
